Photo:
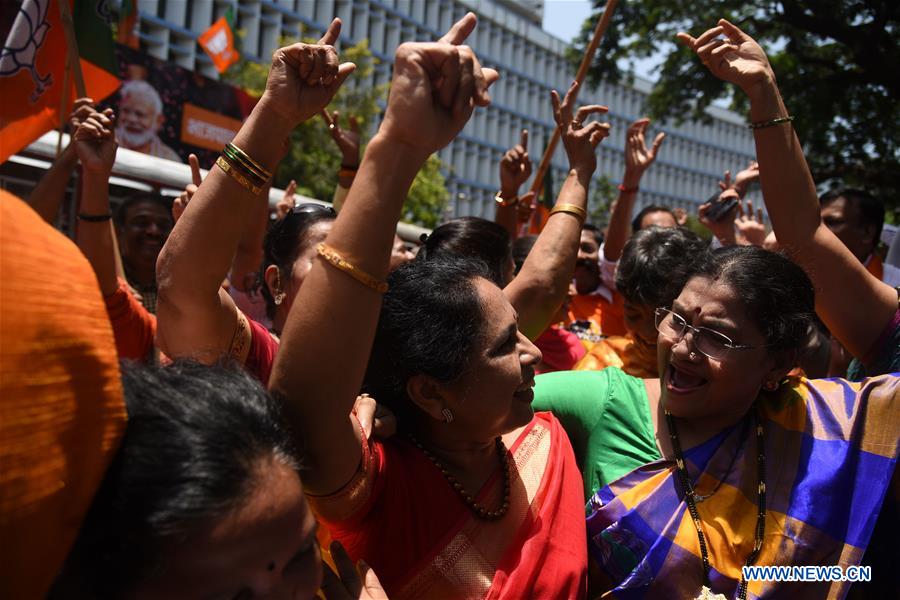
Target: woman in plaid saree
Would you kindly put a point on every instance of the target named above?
(776, 472)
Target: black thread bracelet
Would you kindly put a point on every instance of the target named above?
(94, 218)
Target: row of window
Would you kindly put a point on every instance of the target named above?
(692, 159)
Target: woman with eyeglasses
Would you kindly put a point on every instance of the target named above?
(724, 462)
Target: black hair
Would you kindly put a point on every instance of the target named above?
(653, 208)
(121, 212)
(431, 320)
(777, 293)
(471, 238)
(871, 209)
(284, 242)
(521, 247)
(598, 235)
(656, 263)
(195, 438)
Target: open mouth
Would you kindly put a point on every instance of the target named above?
(525, 392)
(682, 382)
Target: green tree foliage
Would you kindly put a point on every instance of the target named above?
(836, 63)
(313, 158)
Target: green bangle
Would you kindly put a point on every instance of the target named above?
(772, 123)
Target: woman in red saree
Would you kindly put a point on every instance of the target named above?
(476, 497)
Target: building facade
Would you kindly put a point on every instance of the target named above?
(508, 38)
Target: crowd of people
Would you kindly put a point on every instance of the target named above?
(203, 400)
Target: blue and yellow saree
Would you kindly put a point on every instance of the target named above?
(830, 446)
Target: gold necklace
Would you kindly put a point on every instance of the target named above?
(477, 508)
(689, 496)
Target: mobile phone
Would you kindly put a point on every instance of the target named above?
(719, 209)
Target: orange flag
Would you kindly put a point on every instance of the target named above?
(32, 69)
(218, 42)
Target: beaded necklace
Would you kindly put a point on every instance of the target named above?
(479, 510)
(690, 498)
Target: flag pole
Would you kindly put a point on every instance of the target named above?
(62, 104)
(586, 61)
(68, 24)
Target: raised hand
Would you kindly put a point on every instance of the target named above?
(287, 202)
(723, 227)
(95, 142)
(304, 78)
(751, 229)
(347, 140)
(731, 55)
(579, 140)
(638, 157)
(743, 179)
(181, 202)
(515, 166)
(81, 110)
(435, 88)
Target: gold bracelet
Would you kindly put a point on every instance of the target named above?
(237, 176)
(331, 255)
(265, 173)
(572, 209)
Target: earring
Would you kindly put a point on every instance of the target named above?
(279, 298)
(692, 355)
(448, 416)
(770, 386)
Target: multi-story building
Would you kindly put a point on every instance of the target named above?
(508, 38)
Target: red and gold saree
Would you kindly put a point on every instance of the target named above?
(401, 516)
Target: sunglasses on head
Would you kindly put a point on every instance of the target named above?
(312, 208)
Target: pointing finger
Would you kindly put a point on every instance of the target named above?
(196, 178)
(460, 30)
(331, 35)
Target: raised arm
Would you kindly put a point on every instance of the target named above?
(95, 145)
(196, 317)
(515, 169)
(543, 282)
(317, 372)
(638, 159)
(48, 194)
(856, 318)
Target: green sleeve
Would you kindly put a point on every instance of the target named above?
(607, 417)
(577, 399)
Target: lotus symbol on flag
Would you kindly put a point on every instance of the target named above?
(23, 42)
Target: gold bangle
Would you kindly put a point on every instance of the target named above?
(226, 166)
(335, 259)
(572, 209)
(265, 173)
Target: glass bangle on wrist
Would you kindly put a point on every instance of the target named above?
(503, 202)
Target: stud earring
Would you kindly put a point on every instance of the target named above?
(448, 416)
(770, 386)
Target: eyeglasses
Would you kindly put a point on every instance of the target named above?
(708, 342)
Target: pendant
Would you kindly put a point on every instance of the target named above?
(707, 594)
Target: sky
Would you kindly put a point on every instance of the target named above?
(564, 18)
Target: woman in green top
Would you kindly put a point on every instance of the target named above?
(607, 416)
